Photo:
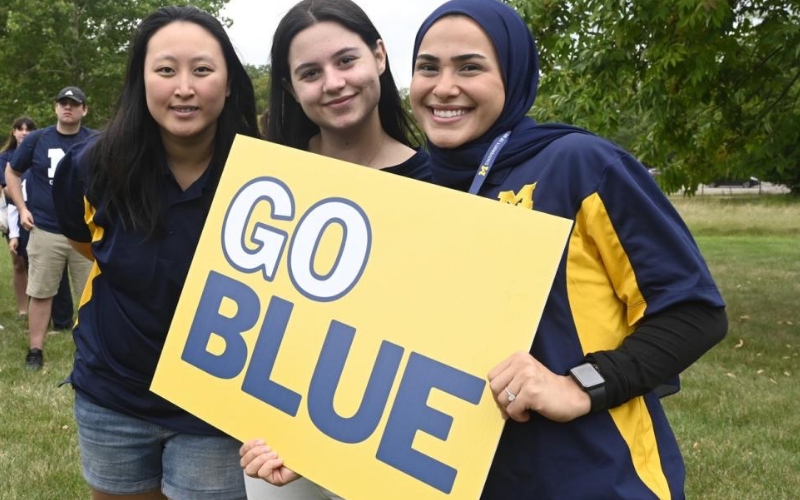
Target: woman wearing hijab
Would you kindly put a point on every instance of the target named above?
(633, 303)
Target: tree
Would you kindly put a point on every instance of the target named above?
(261, 77)
(700, 88)
(48, 44)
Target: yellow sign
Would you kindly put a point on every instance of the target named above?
(349, 317)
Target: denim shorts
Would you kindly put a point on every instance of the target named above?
(123, 455)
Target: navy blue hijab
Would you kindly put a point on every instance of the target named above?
(519, 63)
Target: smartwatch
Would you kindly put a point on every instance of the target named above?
(589, 379)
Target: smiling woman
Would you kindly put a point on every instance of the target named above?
(145, 185)
(335, 79)
(186, 84)
(460, 88)
(626, 312)
(332, 93)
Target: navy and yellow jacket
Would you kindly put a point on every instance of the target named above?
(629, 256)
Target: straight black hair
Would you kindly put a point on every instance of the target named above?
(22, 121)
(288, 124)
(124, 172)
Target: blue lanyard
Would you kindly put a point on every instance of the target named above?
(488, 162)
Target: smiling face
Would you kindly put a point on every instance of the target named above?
(457, 90)
(335, 76)
(186, 81)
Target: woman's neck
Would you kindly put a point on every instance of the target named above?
(188, 158)
(361, 145)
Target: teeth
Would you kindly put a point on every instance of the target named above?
(449, 113)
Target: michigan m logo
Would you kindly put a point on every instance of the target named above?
(524, 198)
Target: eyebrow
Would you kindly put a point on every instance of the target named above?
(338, 53)
(458, 58)
(195, 59)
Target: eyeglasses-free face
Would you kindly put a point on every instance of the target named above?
(457, 90)
(335, 76)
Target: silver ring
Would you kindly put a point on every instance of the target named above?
(511, 397)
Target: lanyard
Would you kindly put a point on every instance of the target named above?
(488, 162)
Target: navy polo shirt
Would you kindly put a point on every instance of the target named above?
(132, 292)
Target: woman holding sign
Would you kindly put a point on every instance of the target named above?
(332, 93)
(134, 201)
(633, 303)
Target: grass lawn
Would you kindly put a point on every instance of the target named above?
(737, 418)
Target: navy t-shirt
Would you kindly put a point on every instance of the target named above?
(5, 156)
(417, 167)
(41, 151)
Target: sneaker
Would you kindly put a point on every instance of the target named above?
(34, 360)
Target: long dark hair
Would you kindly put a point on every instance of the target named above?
(288, 124)
(124, 174)
(22, 121)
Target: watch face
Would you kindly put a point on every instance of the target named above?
(587, 376)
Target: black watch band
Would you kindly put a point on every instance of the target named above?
(588, 377)
(597, 395)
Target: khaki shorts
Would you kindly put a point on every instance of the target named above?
(48, 255)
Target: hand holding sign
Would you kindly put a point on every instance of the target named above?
(260, 461)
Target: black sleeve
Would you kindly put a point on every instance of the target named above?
(661, 348)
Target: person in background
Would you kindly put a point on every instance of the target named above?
(62, 313)
(332, 93)
(134, 200)
(20, 129)
(633, 303)
(49, 253)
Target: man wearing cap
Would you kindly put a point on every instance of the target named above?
(49, 252)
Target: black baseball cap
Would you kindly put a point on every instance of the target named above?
(73, 93)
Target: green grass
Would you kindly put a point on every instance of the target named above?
(737, 418)
(39, 451)
(746, 215)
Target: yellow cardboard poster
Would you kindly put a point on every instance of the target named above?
(349, 317)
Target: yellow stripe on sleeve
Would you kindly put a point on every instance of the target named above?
(606, 302)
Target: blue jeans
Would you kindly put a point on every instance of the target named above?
(124, 455)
